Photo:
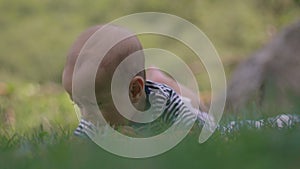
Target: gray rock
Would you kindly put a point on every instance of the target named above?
(270, 74)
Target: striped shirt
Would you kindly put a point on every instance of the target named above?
(165, 105)
(168, 103)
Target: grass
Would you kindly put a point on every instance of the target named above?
(48, 142)
(266, 148)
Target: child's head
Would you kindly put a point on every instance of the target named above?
(106, 69)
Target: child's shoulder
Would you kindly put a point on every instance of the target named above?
(157, 85)
(161, 90)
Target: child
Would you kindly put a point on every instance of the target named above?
(150, 88)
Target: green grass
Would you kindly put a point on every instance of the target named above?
(42, 137)
(32, 104)
(266, 148)
(48, 142)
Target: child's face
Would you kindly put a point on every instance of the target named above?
(106, 105)
(105, 102)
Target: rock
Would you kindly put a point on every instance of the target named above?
(270, 74)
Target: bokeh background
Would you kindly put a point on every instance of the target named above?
(37, 34)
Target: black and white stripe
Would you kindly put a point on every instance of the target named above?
(85, 129)
(279, 122)
(164, 101)
(174, 109)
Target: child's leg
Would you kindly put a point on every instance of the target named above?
(279, 121)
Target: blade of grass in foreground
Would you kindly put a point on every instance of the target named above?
(243, 148)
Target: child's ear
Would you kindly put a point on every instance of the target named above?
(136, 88)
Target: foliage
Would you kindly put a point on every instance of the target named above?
(36, 35)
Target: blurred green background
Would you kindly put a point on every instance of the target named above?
(37, 34)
